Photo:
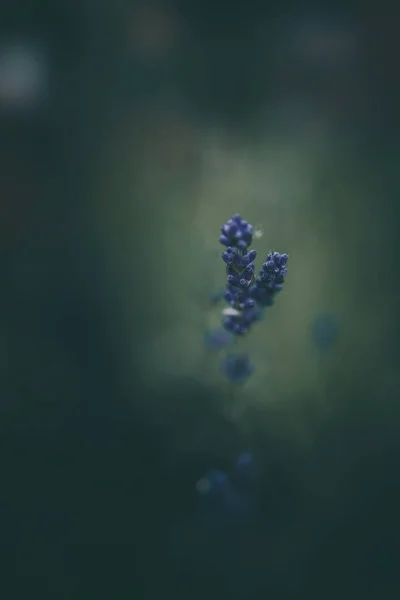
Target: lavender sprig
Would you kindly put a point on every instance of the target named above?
(246, 293)
(270, 279)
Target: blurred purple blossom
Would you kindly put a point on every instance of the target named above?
(237, 367)
(217, 339)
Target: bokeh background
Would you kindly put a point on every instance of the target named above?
(130, 131)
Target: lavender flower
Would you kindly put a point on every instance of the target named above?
(246, 293)
(270, 279)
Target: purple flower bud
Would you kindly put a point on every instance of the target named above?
(231, 228)
(228, 323)
(269, 265)
(223, 240)
(229, 297)
(249, 303)
(248, 273)
(232, 280)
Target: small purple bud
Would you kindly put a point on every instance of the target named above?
(235, 258)
(228, 296)
(276, 257)
(249, 303)
(232, 280)
(231, 229)
(228, 323)
(253, 290)
(223, 240)
(270, 265)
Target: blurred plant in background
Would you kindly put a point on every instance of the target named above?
(325, 331)
(23, 77)
(217, 339)
(228, 497)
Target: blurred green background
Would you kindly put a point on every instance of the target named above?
(130, 131)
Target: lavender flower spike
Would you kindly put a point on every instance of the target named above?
(246, 293)
(270, 279)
